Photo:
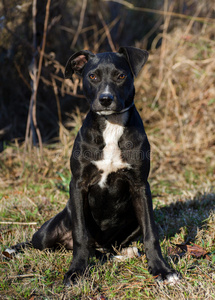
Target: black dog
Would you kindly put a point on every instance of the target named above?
(110, 199)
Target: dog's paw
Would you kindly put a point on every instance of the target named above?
(126, 253)
(164, 274)
(9, 253)
(71, 277)
(170, 278)
(16, 249)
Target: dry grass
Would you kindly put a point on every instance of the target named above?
(182, 107)
(176, 99)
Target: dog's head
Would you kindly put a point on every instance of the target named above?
(108, 78)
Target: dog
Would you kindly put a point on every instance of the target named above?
(110, 200)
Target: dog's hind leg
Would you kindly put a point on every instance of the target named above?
(57, 231)
(53, 233)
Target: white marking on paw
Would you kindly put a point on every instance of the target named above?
(112, 160)
(10, 251)
(129, 252)
(172, 279)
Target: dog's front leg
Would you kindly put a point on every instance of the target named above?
(81, 246)
(142, 202)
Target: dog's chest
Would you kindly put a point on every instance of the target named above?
(112, 160)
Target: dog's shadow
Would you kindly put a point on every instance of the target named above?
(188, 216)
(185, 218)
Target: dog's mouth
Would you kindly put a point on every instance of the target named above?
(106, 112)
(112, 112)
(109, 110)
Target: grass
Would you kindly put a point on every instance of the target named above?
(175, 97)
(183, 215)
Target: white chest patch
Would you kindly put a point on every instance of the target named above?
(112, 160)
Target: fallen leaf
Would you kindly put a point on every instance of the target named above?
(194, 250)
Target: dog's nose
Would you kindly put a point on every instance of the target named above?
(106, 99)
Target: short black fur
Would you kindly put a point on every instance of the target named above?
(105, 210)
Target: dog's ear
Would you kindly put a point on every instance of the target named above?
(76, 63)
(135, 57)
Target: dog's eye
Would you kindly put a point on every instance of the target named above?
(121, 76)
(92, 76)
